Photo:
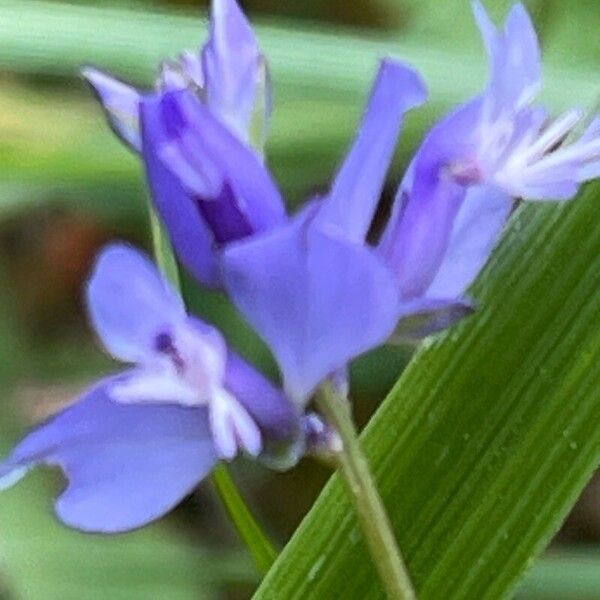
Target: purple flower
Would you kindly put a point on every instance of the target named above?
(209, 187)
(312, 288)
(320, 296)
(202, 199)
(459, 190)
(229, 75)
(135, 444)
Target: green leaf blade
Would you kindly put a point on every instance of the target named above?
(490, 434)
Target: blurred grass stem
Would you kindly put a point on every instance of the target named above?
(260, 547)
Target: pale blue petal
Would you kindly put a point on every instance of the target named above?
(130, 303)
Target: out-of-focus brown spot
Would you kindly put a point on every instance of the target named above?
(49, 254)
(36, 402)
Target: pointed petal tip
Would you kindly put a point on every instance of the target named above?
(88, 72)
(397, 73)
(231, 60)
(519, 11)
(94, 75)
(219, 7)
(222, 10)
(120, 102)
(110, 90)
(482, 17)
(487, 28)
(519, 26)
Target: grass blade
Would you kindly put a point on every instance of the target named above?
(488, 437)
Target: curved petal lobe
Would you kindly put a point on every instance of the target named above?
(130, 303)
(127, 465)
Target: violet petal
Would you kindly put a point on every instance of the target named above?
(208, 158)
(317, 299)
(475, 232)
(231, 62)
(127, 465)
(355, 193)
(191, 237)
(130, 303)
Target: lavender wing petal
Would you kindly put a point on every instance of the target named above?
(475, 232)
(121, 105)
(355, 193)
(130, 303)
(190, 235)
(317, 300)
(127, 465)
(417, 235)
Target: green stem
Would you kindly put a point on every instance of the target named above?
(354, 469)
(163, 253)
(261, 549)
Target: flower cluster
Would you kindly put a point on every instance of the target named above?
(310, 284)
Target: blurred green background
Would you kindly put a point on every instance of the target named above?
(67, 186)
